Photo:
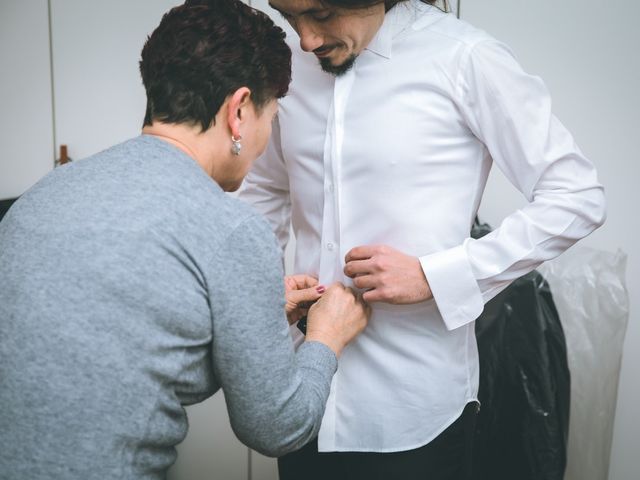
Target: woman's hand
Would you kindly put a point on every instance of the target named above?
(301, 291)
(337, 318)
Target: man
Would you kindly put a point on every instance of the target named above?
(379, 156)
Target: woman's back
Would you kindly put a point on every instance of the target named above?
(120, 254)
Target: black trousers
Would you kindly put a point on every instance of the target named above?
(447, 457)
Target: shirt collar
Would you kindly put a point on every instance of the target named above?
(401, 16)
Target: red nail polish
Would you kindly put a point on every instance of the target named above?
(320, 289)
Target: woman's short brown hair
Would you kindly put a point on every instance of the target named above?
(202, 52)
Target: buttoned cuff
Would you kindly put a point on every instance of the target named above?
(453, 285)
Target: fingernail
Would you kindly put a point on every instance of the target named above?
(320, 289)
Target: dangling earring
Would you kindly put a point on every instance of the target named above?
(236, 145)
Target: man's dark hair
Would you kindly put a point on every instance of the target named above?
(202, 52)
(367, 3)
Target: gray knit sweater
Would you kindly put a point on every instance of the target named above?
(131, 285)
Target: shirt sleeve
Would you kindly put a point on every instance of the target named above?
(266, 187)
(275, 396)
(510, 112)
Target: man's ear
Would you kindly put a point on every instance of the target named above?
(237, 107)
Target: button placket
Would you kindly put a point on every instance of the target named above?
(330, 261)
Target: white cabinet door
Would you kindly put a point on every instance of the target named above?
(99, 97)
(100, 101)
(26, 123)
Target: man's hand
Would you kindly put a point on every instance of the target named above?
(388, 275)
(301, 291)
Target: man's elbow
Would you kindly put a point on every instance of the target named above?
(597, 211)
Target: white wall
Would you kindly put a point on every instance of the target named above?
(99, 97)
(26, 125)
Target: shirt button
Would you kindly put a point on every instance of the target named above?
(330, 187)
(330, 247)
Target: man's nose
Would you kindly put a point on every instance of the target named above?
(309, 38)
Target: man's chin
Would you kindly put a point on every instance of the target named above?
(337, 70)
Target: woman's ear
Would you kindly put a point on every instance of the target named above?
(237, 109)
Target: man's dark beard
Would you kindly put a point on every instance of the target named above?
(338, 70)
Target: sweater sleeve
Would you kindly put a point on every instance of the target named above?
(275, 397)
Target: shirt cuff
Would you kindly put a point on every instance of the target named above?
(453, 285)
(296, 335)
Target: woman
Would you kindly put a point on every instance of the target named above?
(131, 284)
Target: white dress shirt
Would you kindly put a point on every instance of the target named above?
(397, 152)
